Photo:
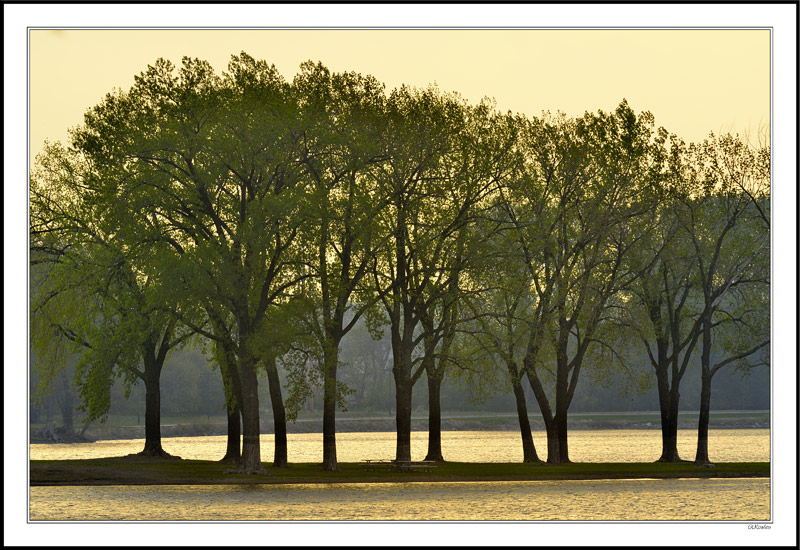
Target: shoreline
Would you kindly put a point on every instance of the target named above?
(139, 470)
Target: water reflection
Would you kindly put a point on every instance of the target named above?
(623, 500)
(744, 445)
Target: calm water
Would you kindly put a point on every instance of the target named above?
(614, 500)
(750, 445)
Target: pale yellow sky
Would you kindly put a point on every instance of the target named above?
(693, 81)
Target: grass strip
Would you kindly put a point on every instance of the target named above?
(134, 470)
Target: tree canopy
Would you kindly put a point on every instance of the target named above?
(270, 217)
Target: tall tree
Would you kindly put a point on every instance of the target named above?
(497, 331)
(91, 288)
(665, 322)
(342, 125)
(481, 156)
(660, 308)
(213, 163)
(570, 213)
(421, 128)
(225, 356)
(726, 215)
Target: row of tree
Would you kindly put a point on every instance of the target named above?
(268, 218)
(192, 391)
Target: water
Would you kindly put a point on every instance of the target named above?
(745, 445)
(623, 500)
(606, 500)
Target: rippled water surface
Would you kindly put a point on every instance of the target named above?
(623, 500)
(611, 500)
(746, 445)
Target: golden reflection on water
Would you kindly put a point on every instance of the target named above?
(742, 445)
(613, 500)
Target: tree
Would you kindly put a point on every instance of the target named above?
(666, 325)
(213, 162)
(90, 288)
(439, 322)
(569, 213)
(423, 219)
(497, 333)
(224, 354)
(342, 124)
(481, 156)
(53, 386)
(726, 215)
(660, 307)
(366, 355)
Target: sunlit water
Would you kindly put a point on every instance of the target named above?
(618, 500)
(746, 445)
(612, 500)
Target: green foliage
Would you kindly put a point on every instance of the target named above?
(273, 217)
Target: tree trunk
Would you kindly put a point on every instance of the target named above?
(231, 382)
(528, 448)
(669, 439)
(668, 404)
(233, 399)
(152, 415)
(250, 462)
(561, 432)
(553, 454)
(561, 397)
(403, 418)
(49, 431)
(85, 427)
(233, 451)
(278, 414)
(331, 360)
(153, 358)
(434, 418)
(701, 458)
(66, 404)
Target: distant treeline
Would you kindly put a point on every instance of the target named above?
(282, 226)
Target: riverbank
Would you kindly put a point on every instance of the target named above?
(177, 427)
(138, 470)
